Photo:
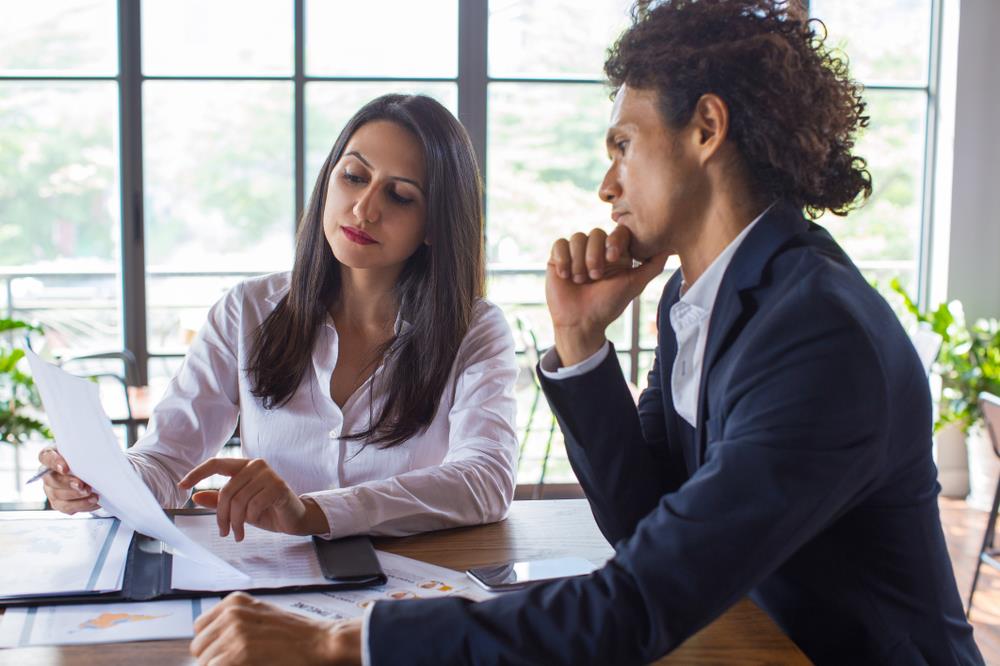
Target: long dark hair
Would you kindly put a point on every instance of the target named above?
(436, 290)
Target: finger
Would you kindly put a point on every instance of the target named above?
(269, 497)
(57, 480)
(66, 494)
(559, 258)
(208, 632)
(225, 466)
(232, 599)
(578, 257)
(595, 253)
(53, 460)
(647, 270)
(206, 498)
(89, 503)
(616, 245)
(232, 487)
(240, 505)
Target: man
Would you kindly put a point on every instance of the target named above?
(782, 447)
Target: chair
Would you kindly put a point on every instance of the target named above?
(95, 366)
(990, 406)
(532, 353)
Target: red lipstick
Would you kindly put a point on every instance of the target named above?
(358, 236)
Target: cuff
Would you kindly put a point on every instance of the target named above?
(549, 364)
(366, 653)
(345, 514)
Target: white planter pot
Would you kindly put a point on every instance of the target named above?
(984, 469)
(952, 461)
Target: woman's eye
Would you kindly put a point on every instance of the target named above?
(398, 198)
(353, 178)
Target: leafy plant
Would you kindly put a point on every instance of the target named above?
(20, 403)
(969, 360)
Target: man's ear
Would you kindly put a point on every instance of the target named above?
(710, 122)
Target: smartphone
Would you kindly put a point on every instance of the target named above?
(516, 575)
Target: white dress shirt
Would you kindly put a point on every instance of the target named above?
(689, 317)
(458, 471)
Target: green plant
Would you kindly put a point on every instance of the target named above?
(969, 360)
(20, 403)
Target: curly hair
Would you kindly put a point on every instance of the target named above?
(793, 108)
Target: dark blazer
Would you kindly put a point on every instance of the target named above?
(808, 484)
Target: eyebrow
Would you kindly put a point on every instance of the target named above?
(368, 164)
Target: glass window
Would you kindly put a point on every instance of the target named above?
(58, 37)
(883, 236)
(218, 195)
(396, 38)
(552, 39)
(59, 211)
(886, 41)
(221, 37)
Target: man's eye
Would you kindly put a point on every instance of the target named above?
(621, 145)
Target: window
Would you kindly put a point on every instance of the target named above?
(154, 153)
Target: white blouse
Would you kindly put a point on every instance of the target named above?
(459, 471)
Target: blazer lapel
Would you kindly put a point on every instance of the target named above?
(774, 229)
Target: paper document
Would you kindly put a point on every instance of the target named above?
(101, 623)
(408, 579)
(270, 559)
(87, 442)
(46, 556)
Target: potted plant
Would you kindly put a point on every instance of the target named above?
(968, 364)
(20, 404)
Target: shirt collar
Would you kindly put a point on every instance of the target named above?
(702, 293)
(399, 326)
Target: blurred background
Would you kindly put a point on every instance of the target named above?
(154, 153)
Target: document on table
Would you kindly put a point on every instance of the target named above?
(85, 439)
(58, 556)
(408, 579)
(115, 622)
(270, 559)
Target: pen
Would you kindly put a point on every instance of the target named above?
(40, 474)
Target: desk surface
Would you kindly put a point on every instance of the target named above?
(554, 528)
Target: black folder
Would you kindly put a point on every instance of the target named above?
(347, 564)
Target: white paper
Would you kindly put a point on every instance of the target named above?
(101, 623)
(87, 442)
(271, 559)
(45, 556)
(407, 579)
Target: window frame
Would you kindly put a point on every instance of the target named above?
(472, 82)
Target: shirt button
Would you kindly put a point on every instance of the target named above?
(335, 433)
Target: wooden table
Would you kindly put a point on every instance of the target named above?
(548, 528)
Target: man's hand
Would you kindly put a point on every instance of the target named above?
(589, 282)
(243, 630)
(66, 492)
(257, 495)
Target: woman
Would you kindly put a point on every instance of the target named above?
(373, 386)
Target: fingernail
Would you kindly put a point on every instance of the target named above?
(62, 470)
(76, 486)
(564, 274)
(595, 274)
(579, 279)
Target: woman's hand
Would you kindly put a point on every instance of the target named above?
(257, 495)
(243, 630)
(66, 492)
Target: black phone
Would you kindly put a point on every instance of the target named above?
(516, 575)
